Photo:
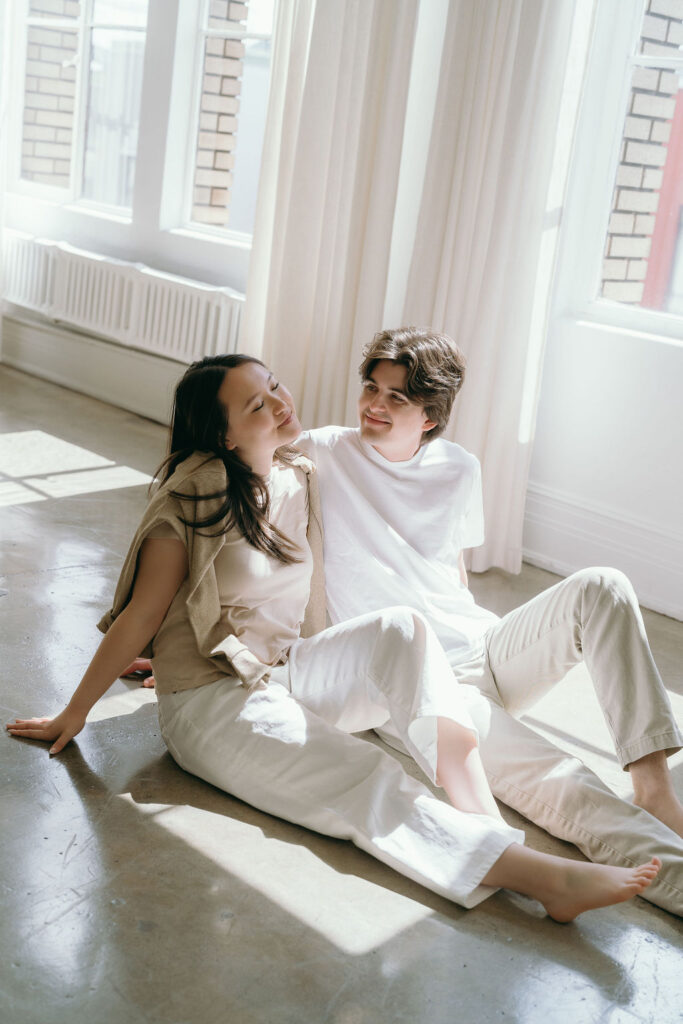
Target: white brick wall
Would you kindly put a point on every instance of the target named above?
(55, 8)
(639, 176)
(626, 291)
(667, 8)
(639, 202)
(49, 96)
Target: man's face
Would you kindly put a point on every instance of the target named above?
(391, 423)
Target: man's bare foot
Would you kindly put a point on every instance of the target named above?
(581, 887)
(653, 789)
(665, 806)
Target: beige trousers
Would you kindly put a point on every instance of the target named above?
(288, 749)
(592, 616)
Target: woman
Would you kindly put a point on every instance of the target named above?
(223, 574)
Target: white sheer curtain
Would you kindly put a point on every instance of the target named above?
(4, 64)
(479, 256)
(327, 193)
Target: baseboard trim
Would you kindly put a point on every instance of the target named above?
(562, 534)
(137, 381)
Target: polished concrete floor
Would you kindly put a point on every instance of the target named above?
(133, 892)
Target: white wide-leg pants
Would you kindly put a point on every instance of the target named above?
(592, 616)
(287, 749)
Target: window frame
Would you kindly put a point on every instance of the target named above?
(590, 189)
(156, 231)
(204, 32)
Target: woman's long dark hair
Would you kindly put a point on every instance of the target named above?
(199, 423)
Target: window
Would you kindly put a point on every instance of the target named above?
(82, 85)
(138, 128)
(234, 92)
(643, 256)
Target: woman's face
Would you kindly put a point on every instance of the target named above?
(261, 414)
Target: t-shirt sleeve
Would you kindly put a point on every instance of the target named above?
(304, 443)
(473, 525)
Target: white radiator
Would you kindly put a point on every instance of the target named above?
(126, 302)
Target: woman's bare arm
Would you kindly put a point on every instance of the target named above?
(162, 567)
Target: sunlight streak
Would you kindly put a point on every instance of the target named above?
(33, 452)
(349, 911)
(68, 484)
(14, 493)
(43, 466)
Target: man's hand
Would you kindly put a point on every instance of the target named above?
(462, 570)
(62, 728)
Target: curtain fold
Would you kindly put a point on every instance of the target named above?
(325, 211)
(480, 232)
(4, 117)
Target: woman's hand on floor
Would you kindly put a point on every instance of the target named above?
(62, 728)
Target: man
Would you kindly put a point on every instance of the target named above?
(400, 505)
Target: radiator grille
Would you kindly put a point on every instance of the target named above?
(126, 302)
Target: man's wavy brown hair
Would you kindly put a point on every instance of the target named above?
(435, 369)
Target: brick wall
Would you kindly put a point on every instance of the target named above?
(50, 89)
(643, 154)
(220, 99)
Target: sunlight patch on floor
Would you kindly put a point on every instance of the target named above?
(14, 493)
(121, 702)
(350, 912)
(42, 466)
(33, 452)
(67, 484)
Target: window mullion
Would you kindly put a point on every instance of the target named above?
(154, 127)
(195, 114)
(81, 100)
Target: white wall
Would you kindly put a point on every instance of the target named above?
(606, 481)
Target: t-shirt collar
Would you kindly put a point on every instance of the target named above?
(387, 464)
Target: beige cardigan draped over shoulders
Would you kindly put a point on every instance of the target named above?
(202, 473)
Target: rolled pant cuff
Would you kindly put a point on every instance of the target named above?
(496, 846)
(670, 742)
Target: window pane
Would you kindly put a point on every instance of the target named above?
(228, 14)
(250, 137)
(116, 64)
(254, 16)
(260, 18)
(126, 13)
(234, 94)
(54, 9)
(643, 262)
(662, 33)
(643, 232)
(49, 96)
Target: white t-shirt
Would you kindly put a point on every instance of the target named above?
(394, 531)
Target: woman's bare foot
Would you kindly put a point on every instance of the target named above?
(588, 886)
(567, 888)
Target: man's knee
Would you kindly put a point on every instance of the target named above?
(602, 582)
